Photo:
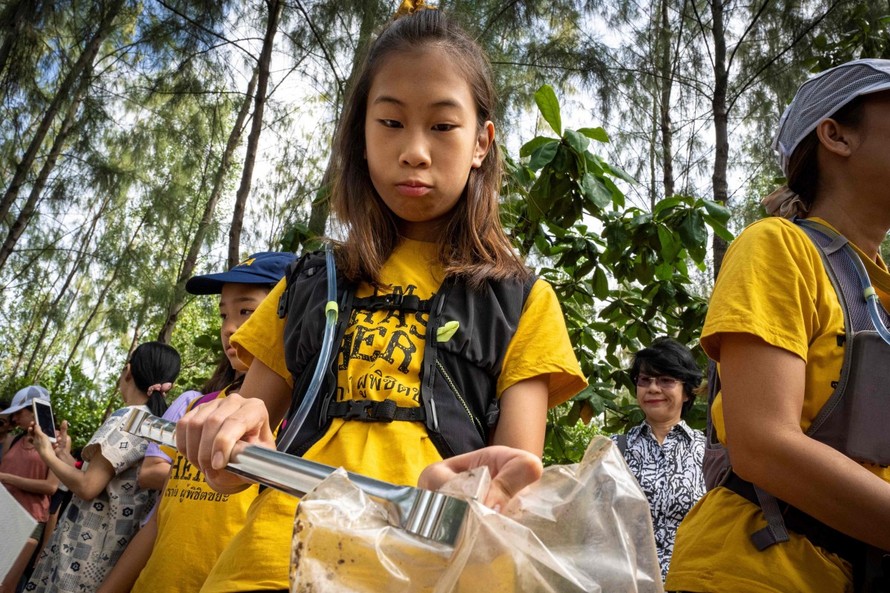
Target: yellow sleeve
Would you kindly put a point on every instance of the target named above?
(262, 336)
(541, 346)
(770, 286)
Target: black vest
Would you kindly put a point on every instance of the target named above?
(458, 376)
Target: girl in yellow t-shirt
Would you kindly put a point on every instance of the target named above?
(775, 327)
(418, 175)
(191, 521)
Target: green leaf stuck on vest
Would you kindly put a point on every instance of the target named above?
(448, 329)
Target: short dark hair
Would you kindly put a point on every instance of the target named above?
(667, 356)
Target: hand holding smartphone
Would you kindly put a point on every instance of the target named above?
(43, 415)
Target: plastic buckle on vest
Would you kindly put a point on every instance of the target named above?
(402, 302)
(365, 411)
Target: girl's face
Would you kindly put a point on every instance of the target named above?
(422, 138)
(236, 304)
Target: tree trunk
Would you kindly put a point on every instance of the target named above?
(666, 76)
(13, 21)
(27, 212)
(721, 157)
(84, 62)
(188, 266)
(253, 140)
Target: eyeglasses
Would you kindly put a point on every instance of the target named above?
(662, 382)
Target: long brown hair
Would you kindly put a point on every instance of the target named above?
(473, 244)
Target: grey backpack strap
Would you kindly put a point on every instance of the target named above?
(715, 463)
(834, 251)
(775, 531)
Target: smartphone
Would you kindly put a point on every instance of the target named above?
(43, 415)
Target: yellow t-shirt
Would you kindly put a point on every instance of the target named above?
(380, 358)
(195, 524)
(773, 285)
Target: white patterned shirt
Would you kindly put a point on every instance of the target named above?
(670, 474)
(93, 534)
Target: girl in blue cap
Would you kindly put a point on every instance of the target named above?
(154, 560)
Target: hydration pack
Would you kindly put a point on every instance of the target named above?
(467, 334)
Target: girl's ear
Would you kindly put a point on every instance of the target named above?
(127, 375)
(836, 138)
(484, 140)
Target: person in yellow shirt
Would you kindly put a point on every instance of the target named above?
(192, 523)
(776, 328)
(445, 341)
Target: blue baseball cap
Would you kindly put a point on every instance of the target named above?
(267, 267)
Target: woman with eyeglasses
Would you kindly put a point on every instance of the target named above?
(663, 452)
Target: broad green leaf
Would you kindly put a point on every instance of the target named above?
(542, 155)
(670, 247)
(529, 147)
(600, 283)
(549, 106)
(595, 191)
(668, 203)
(664, 272)
(692, 230)
(577, 141)
(719, 229)
(717, 210)
(597, 134)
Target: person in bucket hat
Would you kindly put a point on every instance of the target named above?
(26, 477)
(778, 332)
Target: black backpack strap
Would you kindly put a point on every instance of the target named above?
(621, 441)
(375, 411)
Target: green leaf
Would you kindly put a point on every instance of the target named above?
(542, 155)
(717, 210)
(597, 134)
(693, 230)
(664, 271)
(670, 247)
(549, 106)
(667, 204)
(600, 283)
(595, 191)
(529, 147)
(719, 229)
(577, 141)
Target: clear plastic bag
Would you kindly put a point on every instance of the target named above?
(583, 527)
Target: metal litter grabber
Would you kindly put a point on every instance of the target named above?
(428, 514)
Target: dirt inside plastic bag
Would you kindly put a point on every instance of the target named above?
(582, 527)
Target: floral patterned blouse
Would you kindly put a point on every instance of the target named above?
(670, 474)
